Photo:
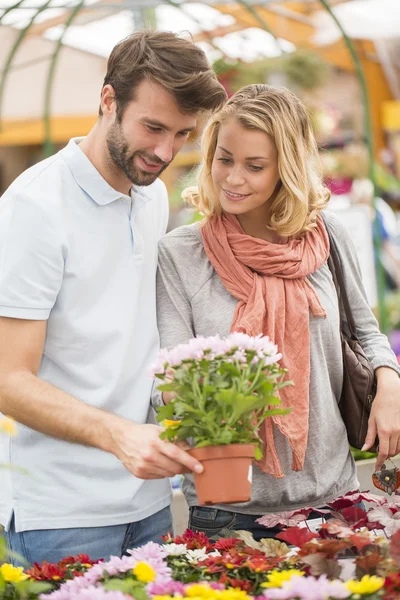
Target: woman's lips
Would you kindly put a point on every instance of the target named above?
(234, 197)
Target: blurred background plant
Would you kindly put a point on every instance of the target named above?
(7, 427)
(300, 70)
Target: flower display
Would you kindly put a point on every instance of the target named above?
(234, 568)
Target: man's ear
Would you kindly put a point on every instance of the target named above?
(108, 102)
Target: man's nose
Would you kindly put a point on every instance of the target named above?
(165, 150)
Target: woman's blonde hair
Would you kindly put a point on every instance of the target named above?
(300, 195)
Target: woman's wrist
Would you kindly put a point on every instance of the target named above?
(386, 375)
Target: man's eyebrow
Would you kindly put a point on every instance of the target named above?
(247, 157)
(155, 123)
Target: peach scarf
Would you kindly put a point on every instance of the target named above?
(274, 298)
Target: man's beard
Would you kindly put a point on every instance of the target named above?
(124, 159)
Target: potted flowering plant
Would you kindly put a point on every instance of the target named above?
(224, 388)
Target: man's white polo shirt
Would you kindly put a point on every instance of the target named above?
(77, 253)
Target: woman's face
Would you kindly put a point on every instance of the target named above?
(244, 169)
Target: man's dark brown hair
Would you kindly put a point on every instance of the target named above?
(177, 64)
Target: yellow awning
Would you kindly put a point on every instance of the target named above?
(28, 132)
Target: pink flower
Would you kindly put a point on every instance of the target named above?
(89, 593)
(309, 588)
(208, 348)
(150, 551)
(168, 588)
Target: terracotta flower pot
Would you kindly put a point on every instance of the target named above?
(227, 473)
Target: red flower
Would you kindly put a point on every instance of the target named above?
(193, 540)
(246, 586)
(260, 564)
(79, 558)
(47, 572)
(392, 584)
(67, 568)
(225, 544)
(228, 561)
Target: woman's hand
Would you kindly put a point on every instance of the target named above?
(384, 420)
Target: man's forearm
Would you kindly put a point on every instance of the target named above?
(45, 408)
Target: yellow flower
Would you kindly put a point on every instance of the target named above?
(12, 574)
(144, 572)
(8, 426)
(276, 578)
(169, 423)
(158, 597)
(369, 584)
(232, 594)
(200, 590)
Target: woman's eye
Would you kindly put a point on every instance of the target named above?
(225, 161)
(255, 168)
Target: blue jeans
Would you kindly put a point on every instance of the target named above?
(213, 521)
(98, 542)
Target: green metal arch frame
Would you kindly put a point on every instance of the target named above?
(48, 143)
(369, 137)
(10, 8)
(20, 38)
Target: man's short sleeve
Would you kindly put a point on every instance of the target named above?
(31, 256)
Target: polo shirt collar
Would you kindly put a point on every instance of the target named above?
(89, 179)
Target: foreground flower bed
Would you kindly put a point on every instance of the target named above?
(351, 556)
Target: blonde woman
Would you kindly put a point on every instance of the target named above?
(258, 263)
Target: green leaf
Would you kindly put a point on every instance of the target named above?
(165, 412)
(258, 454)
(127, 586)
(40, 587)
(166, 387)
(226, 436)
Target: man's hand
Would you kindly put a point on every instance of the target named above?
(144, 454)
(384, 420)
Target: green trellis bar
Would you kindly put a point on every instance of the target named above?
(48, 145)
(369, 137)
(261, 21)
(20, 38)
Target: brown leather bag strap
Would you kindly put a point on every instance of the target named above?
(335, 267)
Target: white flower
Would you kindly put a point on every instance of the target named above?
(215, 553)
(175, 549)
(196, 555)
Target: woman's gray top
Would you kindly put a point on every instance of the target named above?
(193, 301)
